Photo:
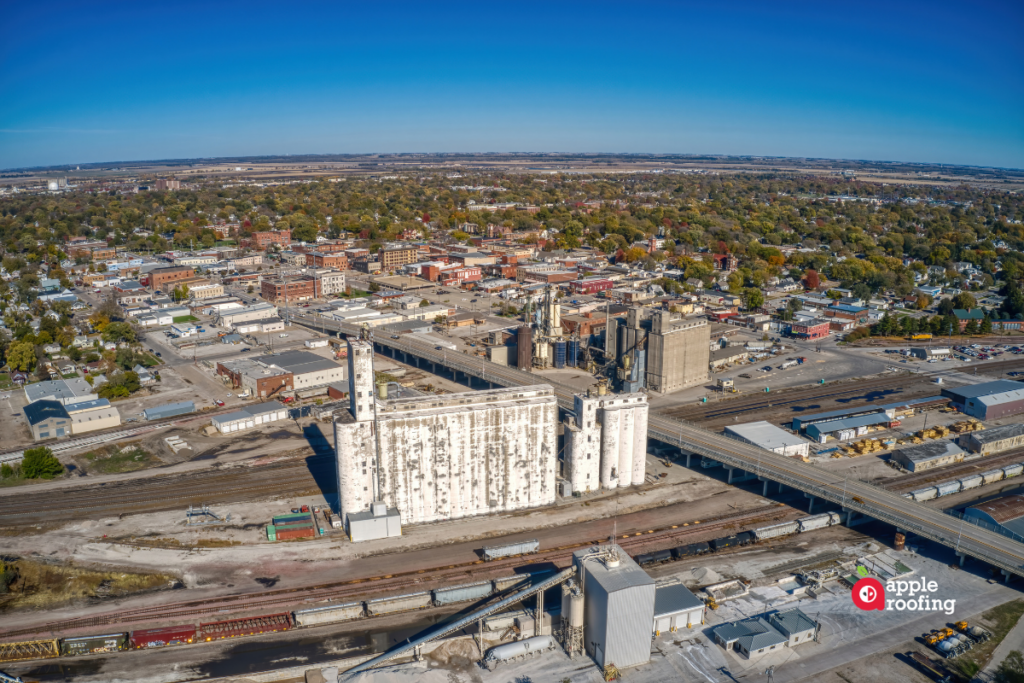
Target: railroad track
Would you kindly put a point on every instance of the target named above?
(916, 481)
(369, 586)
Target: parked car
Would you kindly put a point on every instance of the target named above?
(220, 403)
(159, 355)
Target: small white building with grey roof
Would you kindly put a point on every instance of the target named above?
(675, 607)
(770, 437)
(927, 456)
(757, 636)
(249, 417)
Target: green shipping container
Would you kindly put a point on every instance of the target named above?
(294, 522)
(271, 533)
(295, 515)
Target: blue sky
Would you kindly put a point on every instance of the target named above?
(931, 82)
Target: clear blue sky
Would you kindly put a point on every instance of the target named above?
(912, 81)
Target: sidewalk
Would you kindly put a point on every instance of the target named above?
(1014, 640)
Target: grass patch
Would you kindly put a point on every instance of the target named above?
(999, 620)
(185, 319)
(353, 293)
(225, 243)
(114, 460)
(5, 382)
(148, 359)
(36, 585)
(71, 375)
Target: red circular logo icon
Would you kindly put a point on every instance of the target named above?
(869, 594)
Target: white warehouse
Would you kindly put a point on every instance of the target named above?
(770, 437)
(249, 417)
(444, 457)
(606, 442)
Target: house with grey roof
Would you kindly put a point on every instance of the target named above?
(757, 636)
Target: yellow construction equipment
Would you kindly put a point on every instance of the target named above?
(611, 672)
(960, 626)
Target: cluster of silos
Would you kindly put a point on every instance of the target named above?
(606, 442)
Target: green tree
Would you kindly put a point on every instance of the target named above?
(986, 325)
(424, 303)
(21, 356)
(753, 298)
(1011, 669)
(972, 327)
(181, 293)
(305, 233)
(946, 307)
(40, 463)
(964, 300)
(118, 332)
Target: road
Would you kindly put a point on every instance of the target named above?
(852, 495)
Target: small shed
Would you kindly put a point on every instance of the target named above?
(169, 410)
(676, 607)
(379, 521)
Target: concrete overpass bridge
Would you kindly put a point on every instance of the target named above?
(855, 497)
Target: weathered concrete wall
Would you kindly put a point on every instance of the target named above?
(678, 352)
(617, 438)
(360, 379)
(356, 464)
(454, 456)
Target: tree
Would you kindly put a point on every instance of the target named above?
(249, 290)
(424, 303)
(923, 302)
(753, 298)
(40, 463)
(971, 327)
(181, 293)
(964, 300)
(986, 325)
(21, 356)
(812, 280)
(118, 332)
(120, 385)
(305, 233)
(632, 254)
(1011, 669)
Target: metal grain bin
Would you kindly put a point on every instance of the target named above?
(948, 489)
(1013, 470)
(973, 481)
(925, 494)
(814, 522)
(462, 593)
(775, 530)
(991, 476)
(329, 614)
(398, 603)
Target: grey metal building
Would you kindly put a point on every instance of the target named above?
(926, 456)
(988, 400)
(994, 440)
(770, 437)
(619, 606)
(47, 419)
(675, 607)
(169, 410)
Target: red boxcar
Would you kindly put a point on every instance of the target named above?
(161, 637)
(248, 626)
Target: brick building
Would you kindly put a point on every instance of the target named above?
(165, 279)
(397, 256)
(318, 259)
(290, 289)
(591, 285)
(262, 240)
(811, 329)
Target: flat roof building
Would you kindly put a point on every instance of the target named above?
(769, 437)
(675, 607)
(88, 416)
(928, 456)
(62, 390)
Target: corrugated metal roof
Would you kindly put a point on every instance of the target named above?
(261, 408)
(765, 435)
(179, 408)
(1005, 509)
(998, 433)
(673, 599)
(984, 389)
(1002, 397)
(849, 423)
(869, 409)
(87, 405)
(627, 575)
(927, 451)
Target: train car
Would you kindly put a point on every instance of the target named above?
(496, 552)
(724, 542)
(970, 482)
(29, 649)
(776, 530)
(329, 614)
(1013, 470)
(463, 593)
(88, 645)
(947, 489)
(247, 626)
(162, 637)
(921, 495)
(398, 603)
(991, 476)
(645, 559)
(662, 556)
(691, 550)
(746, 537)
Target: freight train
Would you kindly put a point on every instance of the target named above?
(188, 634)
(741, 539)
(965, 483)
